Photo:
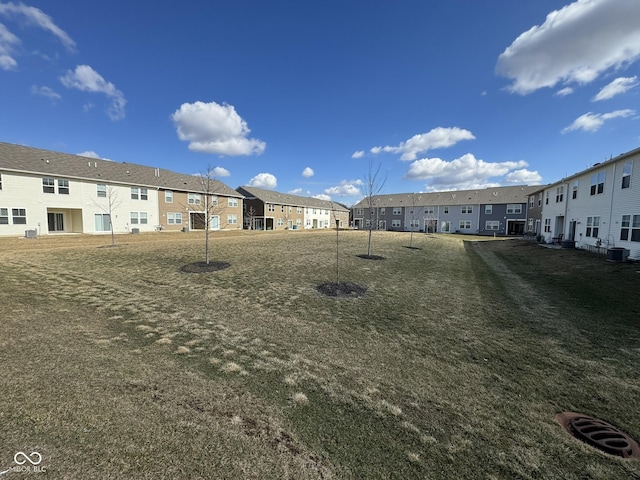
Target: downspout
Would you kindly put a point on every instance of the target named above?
(613, 192)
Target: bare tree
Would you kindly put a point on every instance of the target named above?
(111, 202)
(334, 213)
(211, 205)
(373, 185)
(250, 215)
(414, 215)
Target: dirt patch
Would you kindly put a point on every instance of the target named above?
(341, 289)
(204, 267)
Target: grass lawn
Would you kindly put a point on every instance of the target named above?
(115, 364)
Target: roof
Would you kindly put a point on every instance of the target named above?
(493, 195)
(18, 158)
(270, 196)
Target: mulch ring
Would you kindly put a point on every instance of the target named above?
(371, 257)
(204, 267)
(341, 289)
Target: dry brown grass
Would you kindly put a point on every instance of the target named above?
(453, 364)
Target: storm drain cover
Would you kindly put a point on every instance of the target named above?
(599, 434)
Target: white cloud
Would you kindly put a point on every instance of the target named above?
(221, 172)
(45, 92)
(295, 191)
(347, 188)
(436, 138)
(463, 173)
(575, 44)
(86, 79)
(591, 122)
(523, 177)
(322, 196)
(308, 172)
(26, 16)
(358, 154)
(264, 180)
(563, 92)
(618, 86)
(92, 154)
(214, 128)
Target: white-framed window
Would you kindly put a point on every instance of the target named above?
(492, 225)
(102, 222)
(194, 199)
(280, 222)
(627, 169)
(232, 202)
(382, 211)
(547, 225)
(630, 228)
(19, 216)
(574, 189)
(298, 222)
(466, 209)
(174, 218)
(531, 201)
(397, 211)
(488, 209)
(464, 225)
(593, 226)
(290, 209)
(308, 222)
(168, 196)
(272, 207)
(135, 193)
(134, 218)
(63, 186)
(0, 181)
(143, 218)
(298, 209)
(214, 200)
(48, 185)
(359, 211)
(4, 216)
(414, 223)
(597, 182)
(540, 199)
(513, 208)
(101, 190)
(232, 219)
(396, 223)
(445, 209)
(315, 211)
(559, 194)
(281, 208)
(546, 197)
(530, 224)
(144, 194)
(430, 210)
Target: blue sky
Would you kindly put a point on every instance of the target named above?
(303, 97)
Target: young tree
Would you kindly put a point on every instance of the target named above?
(108, 205)
(211, 205)
(373, 185)
(334, 213)
(414, 215)
(250, 215)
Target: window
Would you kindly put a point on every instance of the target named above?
(0, 181)
(298, 222)
(359, 211)
(593, 226)
(382, 211)
(194, 199)
(597, 182)
(144, 194)
(280, 222)
(546, 197)
(431, 210)
(48, 185)
(559, 194)
(530, 224)
(488, 209)
(101, 190)
(446, 209)
(232, 202)
(135, 193)
(467, 209)
(19, 216)
(315, 211)
(465, 224)
(232, 219)
(143, 218)
(4, 216)
(397, 211)
(174, 218)
(414, 223)
(574, 190)
(513, 208)
(626, 174)
(395, 223)
(492, 225)
(134, 218)
(547, 225)
(298, 209)
(630, 224)
(540, 199)
(531, 201)
(63, 187)
(168, 196)
(214, 201)
(102, 222)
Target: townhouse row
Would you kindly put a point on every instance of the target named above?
(596, 209)
(48, 192)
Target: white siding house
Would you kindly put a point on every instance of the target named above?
(598, 207)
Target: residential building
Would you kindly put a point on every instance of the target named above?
(270, 210)
(52, 192)
(598, 207)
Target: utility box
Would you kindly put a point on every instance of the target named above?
(617, 254)
(31, 234)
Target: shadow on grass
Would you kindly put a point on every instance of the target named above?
(371, 257)
(204, 267)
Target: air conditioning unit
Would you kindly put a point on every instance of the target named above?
(31, 233)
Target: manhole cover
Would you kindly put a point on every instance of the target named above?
(599, 434)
